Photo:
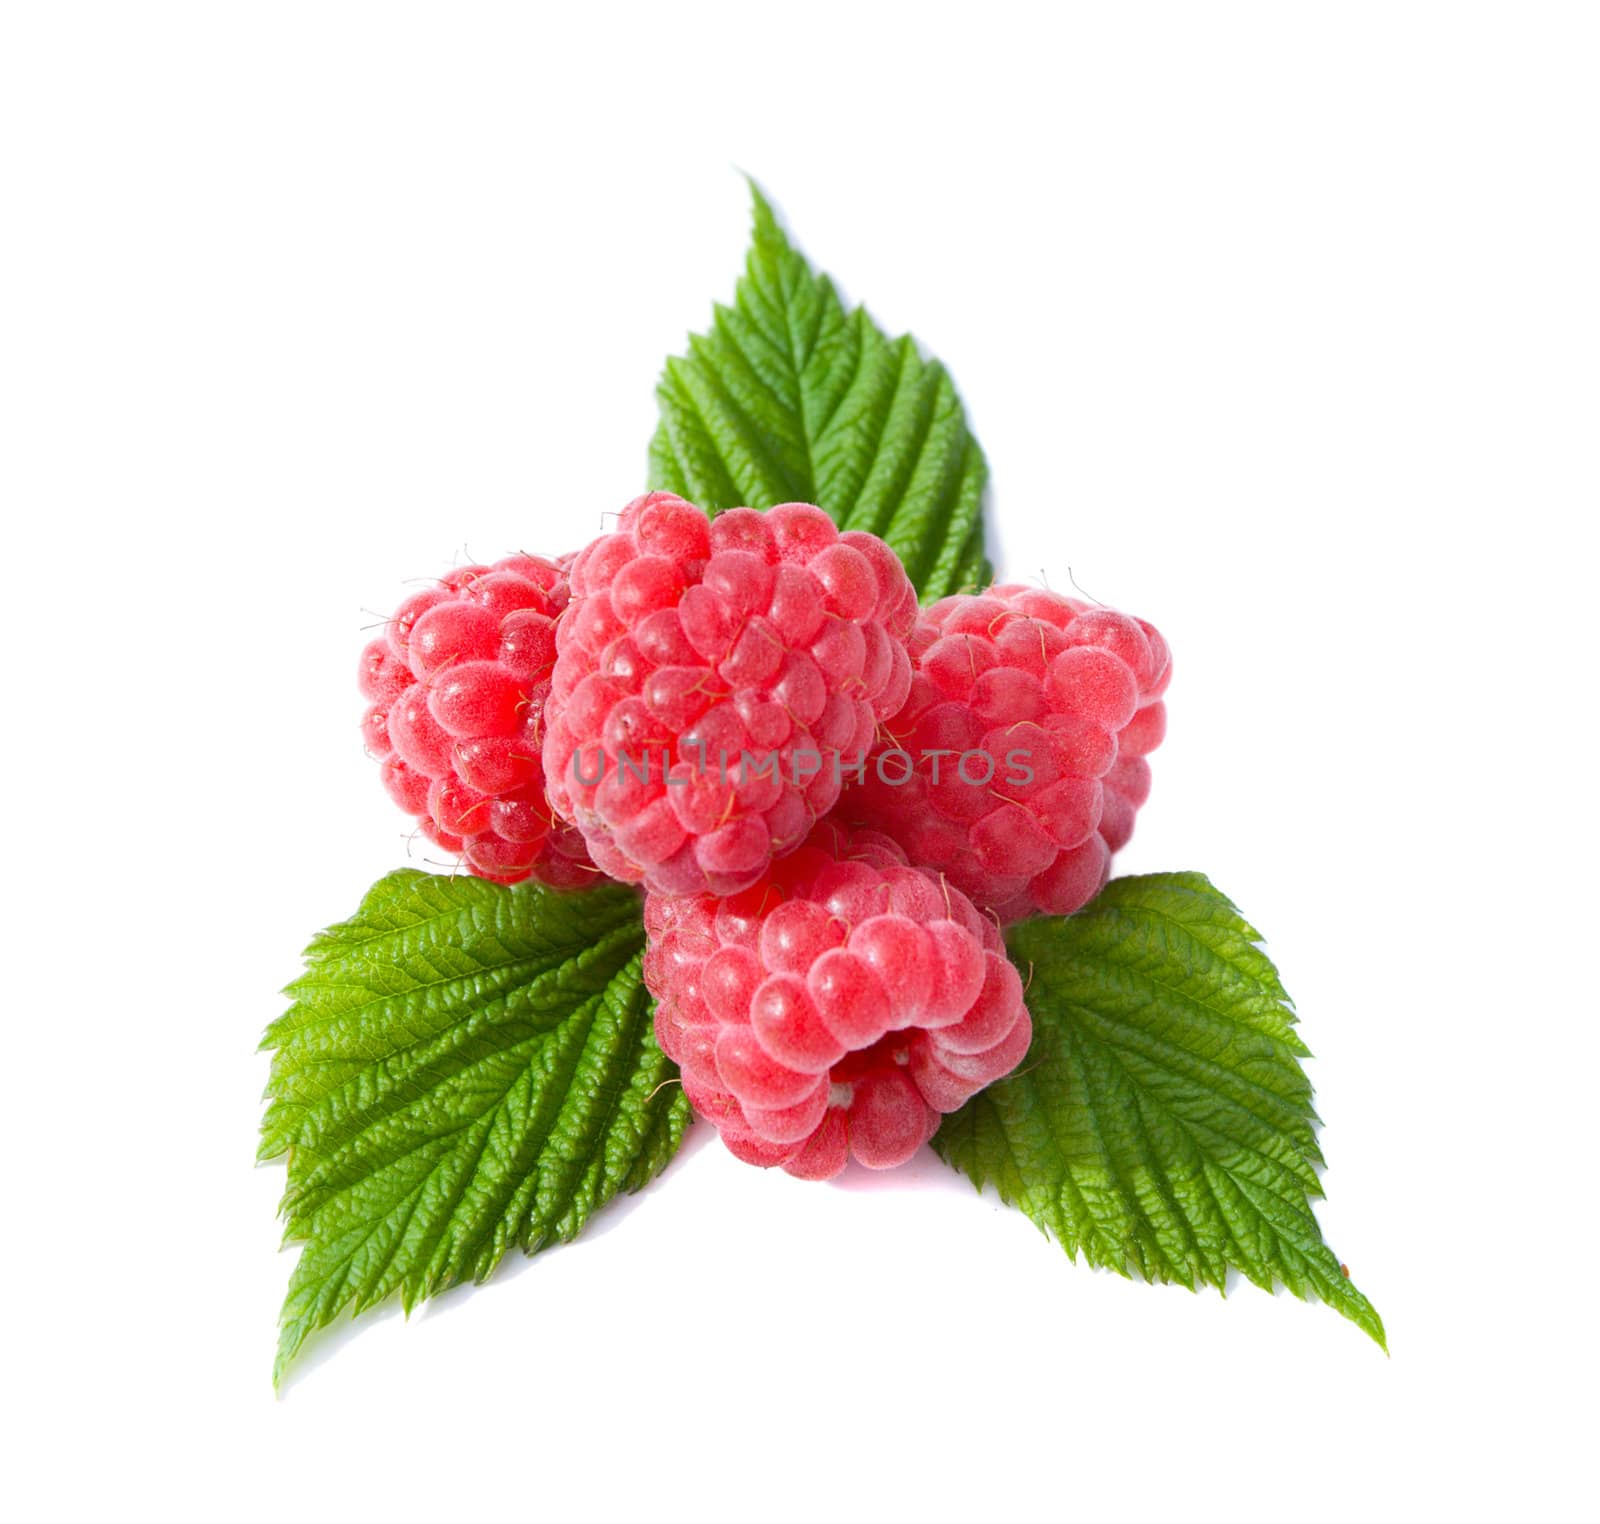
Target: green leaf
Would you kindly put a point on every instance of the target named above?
(1161, 1123)
(793, 397)
(465, 1067)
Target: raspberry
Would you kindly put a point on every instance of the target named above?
(714, 680)
(457, 689)
(835, 1008)
(1017, 764)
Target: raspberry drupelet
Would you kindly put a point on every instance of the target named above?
(456, 690)
(836, 1008)
(1017, 763)
(714, 680)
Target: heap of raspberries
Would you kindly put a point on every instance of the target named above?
(833, 800)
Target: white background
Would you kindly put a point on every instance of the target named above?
(1279, 325)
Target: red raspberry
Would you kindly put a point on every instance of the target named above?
(457, 688)
(835, 1008)
(1017, 762)
(714, 680)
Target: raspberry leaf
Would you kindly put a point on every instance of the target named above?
(794, 397)
(1161, 1123)
(465, 1067)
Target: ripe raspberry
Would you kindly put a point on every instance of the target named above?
(457, 689)
(1017, 763)
(714, 679)
(835, 1008)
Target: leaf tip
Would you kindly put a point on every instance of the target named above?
(758, 197)
(764, 219)
(291, 1336)
(1371, 1324)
